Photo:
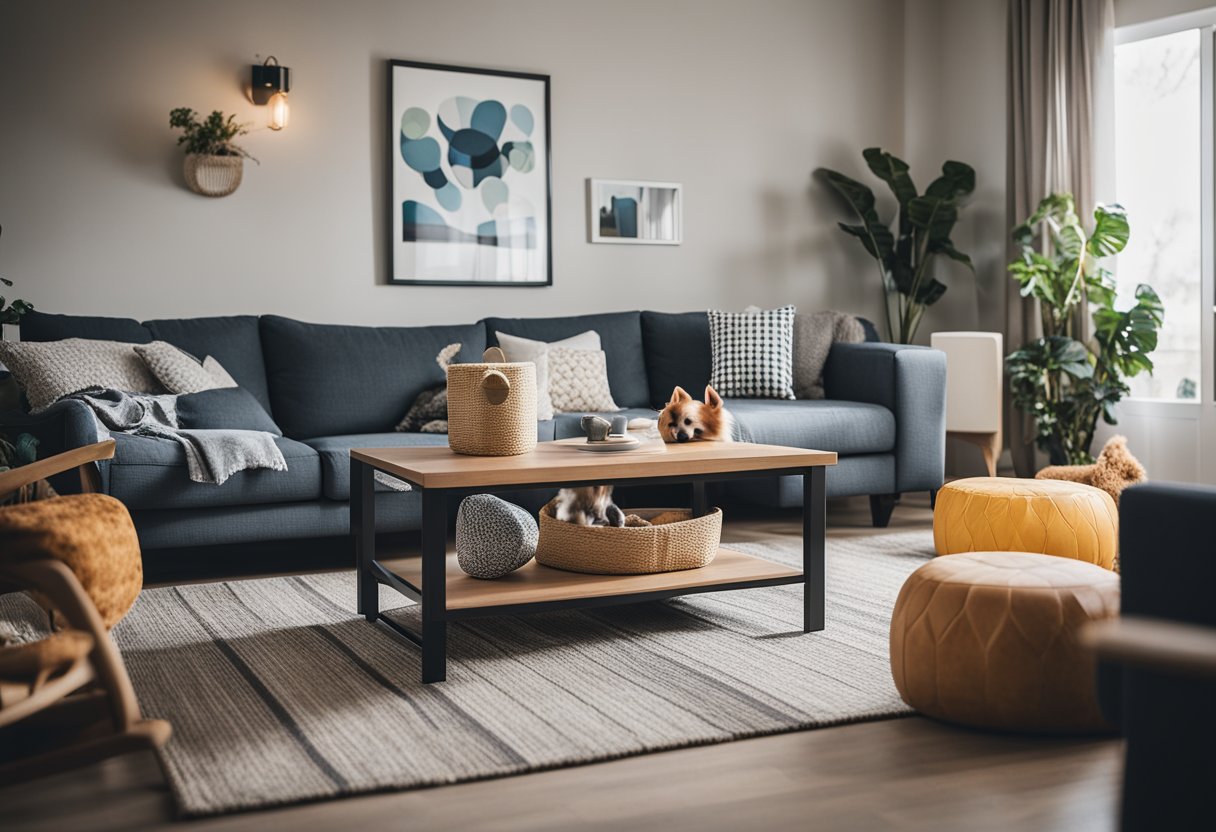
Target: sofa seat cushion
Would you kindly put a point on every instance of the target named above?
(335, 455)
(843, 427)
(620, 339)
(149, 473)
(328, 380)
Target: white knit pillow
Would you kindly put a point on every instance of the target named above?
(578, 381)
(516, 348)
(50, 370)
(753, 353)
(181, 372)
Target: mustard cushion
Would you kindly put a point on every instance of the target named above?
(1047, 517)
(92, 534)
(989, 639)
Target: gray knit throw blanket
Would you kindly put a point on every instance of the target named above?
(212, 456)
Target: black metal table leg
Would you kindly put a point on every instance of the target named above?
(434, 585)
(814, 531)
(700, 505)
(363, 530)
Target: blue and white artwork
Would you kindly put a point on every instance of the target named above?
(469, 161)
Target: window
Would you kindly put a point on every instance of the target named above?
(1158, 178)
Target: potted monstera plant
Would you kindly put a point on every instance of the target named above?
(1065, 380)
(905, 255)
(214, 165)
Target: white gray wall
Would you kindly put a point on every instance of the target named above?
(739, 101)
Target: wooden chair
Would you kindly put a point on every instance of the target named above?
(65, 701)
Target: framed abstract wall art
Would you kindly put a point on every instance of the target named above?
(470, 190)
(628, 211)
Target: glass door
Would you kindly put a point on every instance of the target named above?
(1164, 87)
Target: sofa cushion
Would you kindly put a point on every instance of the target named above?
(335, 455)
(233, 341)
(328, 380)
(678, 353)
(820, 424)
(43, 326)
(149, 473)
(232, 408)
(620, 337)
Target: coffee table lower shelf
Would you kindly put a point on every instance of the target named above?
(536, 588)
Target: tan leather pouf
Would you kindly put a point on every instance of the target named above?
(1003, 514)
(989, 639)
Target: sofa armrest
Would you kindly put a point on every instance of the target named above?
(909, 381)
(66, 425)
(1165, 541)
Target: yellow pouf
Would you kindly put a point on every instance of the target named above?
(1049, 517)
(989, 639)
(92, 534)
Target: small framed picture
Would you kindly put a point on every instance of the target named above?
(626, 211)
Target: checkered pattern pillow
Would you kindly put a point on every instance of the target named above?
(753, 353)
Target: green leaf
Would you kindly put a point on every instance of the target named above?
(870, 237)
(1111, 231)
(894, 172)
(957, 180)
(930, 291)
(933, 216)
(947, 248)
(877, 238)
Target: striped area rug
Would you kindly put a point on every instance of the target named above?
(279, 693)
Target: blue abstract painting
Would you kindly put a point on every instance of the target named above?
(469, 162)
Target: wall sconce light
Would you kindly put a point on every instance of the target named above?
(270, 86)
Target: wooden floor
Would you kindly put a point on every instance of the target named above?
(900, 774)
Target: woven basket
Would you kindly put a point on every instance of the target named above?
(213, 175)
(633, 550)
(492, 407)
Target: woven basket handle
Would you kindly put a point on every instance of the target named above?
(494, 355)
(495, 386)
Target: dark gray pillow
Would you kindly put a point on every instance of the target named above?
(232, 408)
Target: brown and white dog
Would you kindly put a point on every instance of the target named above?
(684, 419)
(687, 420)
(588, 506)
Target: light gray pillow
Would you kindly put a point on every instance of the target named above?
(50, 370)
(181, 372)
(520, 349)
(578, 381)
(814, 335)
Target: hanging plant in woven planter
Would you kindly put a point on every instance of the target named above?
(213, 164)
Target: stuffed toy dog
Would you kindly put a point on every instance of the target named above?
(1114, 470)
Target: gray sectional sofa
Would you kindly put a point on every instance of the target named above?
(332, 388)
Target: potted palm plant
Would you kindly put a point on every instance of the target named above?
(905, 256)
(214, 164)
(1064, 380)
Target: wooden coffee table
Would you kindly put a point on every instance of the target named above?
(447, 594)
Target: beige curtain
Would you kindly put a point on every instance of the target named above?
(1060, 55)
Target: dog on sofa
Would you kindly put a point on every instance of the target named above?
(685, 419)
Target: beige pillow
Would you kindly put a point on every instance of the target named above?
(578, 381)
(50, 370)
(516, 348)
(181, 372)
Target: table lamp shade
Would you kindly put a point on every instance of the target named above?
(973, 380)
